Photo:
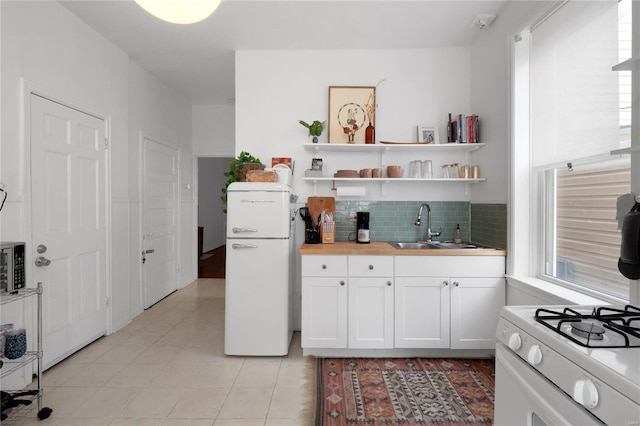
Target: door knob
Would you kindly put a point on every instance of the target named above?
(42, 261)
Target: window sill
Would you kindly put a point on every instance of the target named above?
(556, 294)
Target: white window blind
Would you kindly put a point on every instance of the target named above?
(574, 93)
(587, 238)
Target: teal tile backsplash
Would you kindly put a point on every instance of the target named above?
(489, 224)
(393, 221)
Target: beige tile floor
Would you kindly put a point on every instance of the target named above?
(168, 368)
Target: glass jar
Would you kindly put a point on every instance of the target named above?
(454, 171)
(15, 343)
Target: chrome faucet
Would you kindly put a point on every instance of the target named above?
(419, 221)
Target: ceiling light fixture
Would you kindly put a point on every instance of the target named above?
(180, 11)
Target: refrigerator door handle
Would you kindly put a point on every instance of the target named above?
(243, 246)
(238, 230)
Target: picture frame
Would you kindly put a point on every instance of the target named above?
(428, 134)
(349, 105)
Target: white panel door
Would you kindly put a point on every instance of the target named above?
(68, 205)
(421, 312)
(160, 220)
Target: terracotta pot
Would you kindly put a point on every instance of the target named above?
(395, 171)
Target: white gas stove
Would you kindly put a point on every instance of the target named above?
(575, 365)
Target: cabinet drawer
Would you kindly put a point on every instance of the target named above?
(324, 266)
(370, 266)
(446, 266)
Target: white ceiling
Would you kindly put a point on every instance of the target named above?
(198, 59)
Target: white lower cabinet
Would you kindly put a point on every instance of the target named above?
(370, 302)
(422, 312)
(324, 302)
(475, 304)
(469, 291)
(412, 302)
(370, 313)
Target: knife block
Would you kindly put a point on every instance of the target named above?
(328, 233)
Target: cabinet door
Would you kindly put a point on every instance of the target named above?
(475, 305)
(324, 312)
(422, 312)
(371, 312)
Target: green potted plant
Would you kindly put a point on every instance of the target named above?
(315, 128)
(238, 168)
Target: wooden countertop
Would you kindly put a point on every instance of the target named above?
(384, 248)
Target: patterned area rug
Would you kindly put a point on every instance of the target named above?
(404, 391)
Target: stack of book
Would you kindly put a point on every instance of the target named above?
(463, 129)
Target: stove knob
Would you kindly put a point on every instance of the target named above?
(534, 357)
(585, 393)
(515, 342)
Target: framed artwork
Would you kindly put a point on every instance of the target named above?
(351, 108)
(428, 134)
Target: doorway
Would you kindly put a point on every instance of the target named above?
(211, 218)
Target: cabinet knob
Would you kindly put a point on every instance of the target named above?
(324, 266)
(389, 283)
(445, 283)
(341, 282)
(456, 283)
(370, 267)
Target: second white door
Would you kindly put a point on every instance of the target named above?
(160, 220)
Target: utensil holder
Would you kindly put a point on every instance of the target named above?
(311, 236)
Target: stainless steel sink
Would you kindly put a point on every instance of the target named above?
(420, 245)
(437, 245)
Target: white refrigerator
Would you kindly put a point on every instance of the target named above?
(259, 269)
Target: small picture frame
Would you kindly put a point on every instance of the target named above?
(428, 134)
(316, 164)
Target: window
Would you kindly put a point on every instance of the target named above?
(578, 111)
(583, 240)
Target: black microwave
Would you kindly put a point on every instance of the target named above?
(12, 266)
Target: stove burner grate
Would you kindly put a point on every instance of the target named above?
(620, 321)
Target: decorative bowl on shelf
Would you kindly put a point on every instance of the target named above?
(347, 174)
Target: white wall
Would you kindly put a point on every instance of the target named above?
(275, 89)
(490, 97)
(61, 57)
(211, 180)
(213, 130)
